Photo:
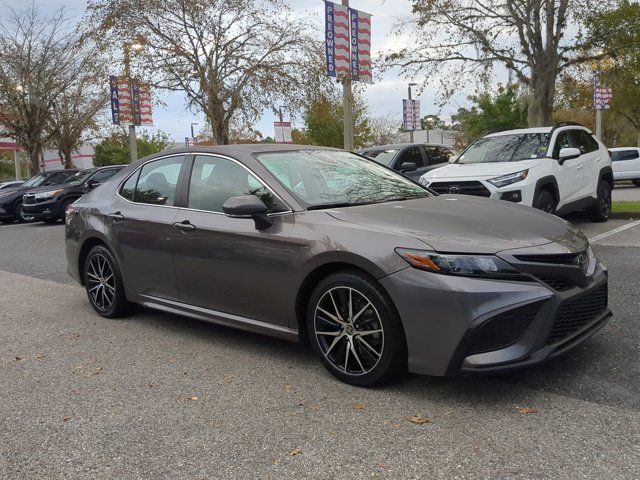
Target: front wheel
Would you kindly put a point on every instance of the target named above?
(544, 201)
(103, 283)
(21, 216)
(355, 330)
(601, 210)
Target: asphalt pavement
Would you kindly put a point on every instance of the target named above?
(159, 396)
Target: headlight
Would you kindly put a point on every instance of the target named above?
(50, 193)
(423, 181)
(505, 180)
(484, 266)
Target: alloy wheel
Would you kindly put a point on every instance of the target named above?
(605, 203)
(101, 282)
(349, 330)
(24, 217)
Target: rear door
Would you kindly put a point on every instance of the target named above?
(626, 164)
(225, 264)
(140, 221)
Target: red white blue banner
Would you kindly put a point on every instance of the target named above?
(360, 30)
(336, 39)
(410, 115)
(130, 102)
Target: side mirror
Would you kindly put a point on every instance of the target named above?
(248, 206)
(408, 167)
(453, 158)
(91, 184)
(568, 154)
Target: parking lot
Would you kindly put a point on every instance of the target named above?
(159, 396)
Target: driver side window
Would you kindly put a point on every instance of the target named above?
(411, 154)
(562, 141)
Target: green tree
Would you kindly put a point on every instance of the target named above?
(490, 112)
(433, 122)
(115, 150)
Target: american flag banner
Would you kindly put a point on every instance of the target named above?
(125, 101)
(410, 115)
(360, 60)
(336, 38)
(144, 115)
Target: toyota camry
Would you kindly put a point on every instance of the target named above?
(378, 274)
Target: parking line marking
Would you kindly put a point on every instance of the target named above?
(614, 231)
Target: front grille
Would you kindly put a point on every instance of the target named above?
(464, 188)
(559, 258)
(575, 314)
(559, 284)
(504, 329)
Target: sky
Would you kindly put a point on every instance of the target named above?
(384, 96)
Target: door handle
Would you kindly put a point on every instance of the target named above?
(580, 167)
(116, 217)
(185, 226)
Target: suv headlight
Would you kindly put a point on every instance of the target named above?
(423, 181)
(49, 194)
(505, 180)
(483, 266)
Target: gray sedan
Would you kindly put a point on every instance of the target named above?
(322, 246)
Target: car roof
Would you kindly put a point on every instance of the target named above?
(396, 146)
(522, 131)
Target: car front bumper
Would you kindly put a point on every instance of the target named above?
(456, 324)
(46, 210)
(520, 192)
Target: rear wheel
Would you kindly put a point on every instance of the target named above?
(544, 201)
(601, 210)
(355, 330)
(21, 216)
(103, 284)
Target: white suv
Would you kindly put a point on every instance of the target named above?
(556, 169)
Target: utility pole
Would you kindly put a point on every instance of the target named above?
(133, 142)
(411, 131)
(347, 104)
(193, 135)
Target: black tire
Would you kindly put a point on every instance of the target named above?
(376, 359)
(600, 211)
(544, 201)
(108, 302)
(636, 182)
(20, 215)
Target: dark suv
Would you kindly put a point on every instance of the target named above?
(11, 199)
(49, 204)
(410, 159)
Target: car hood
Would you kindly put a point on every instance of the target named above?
(467, 224)
(480, 170)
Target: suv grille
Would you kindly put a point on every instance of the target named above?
(559, 284)
(504, 329)
(464, 188)
(575, 314)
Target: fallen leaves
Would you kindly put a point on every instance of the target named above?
(39, 357)
(526, 410)
(18, 358)
(295, 452)
(194, 398)
(418, 419)
(359, 406)
(66, 419)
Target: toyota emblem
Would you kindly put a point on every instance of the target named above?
(582, 261)
(454, 189)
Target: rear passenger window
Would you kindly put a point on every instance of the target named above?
(621, 155)
(214, 180)
(155, 183)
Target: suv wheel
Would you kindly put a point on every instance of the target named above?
(600, 211)
(21, 216)
(355, 330)
(544, 201)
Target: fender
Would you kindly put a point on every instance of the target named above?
(604, 172)
(548, 180)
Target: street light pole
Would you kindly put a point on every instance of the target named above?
(347, 104)
(133, 142)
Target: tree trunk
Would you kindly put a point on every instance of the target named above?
(35, 152)
(543, 89)
(68, 163)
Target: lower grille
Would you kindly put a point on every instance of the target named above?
(504, 329)
(575, 314)
(559, 284)
(464, 188)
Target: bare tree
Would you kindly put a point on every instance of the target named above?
(232, 58)
(385, 128)
(41, 56)
(530, 38)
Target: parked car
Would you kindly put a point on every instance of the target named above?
(10, 184)
(410, 159)
(556, 169)
(49, 204)
(11, 199)
(626, 164)
(324, 246)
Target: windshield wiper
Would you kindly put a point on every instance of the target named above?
(321, 206)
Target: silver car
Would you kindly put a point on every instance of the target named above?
(375, 272)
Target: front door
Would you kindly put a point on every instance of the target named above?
(141, 223)
(225, 264)
(566, 174)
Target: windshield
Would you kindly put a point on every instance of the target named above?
(506, 148)
(325, 178)
(383, 157)
(35, 181)
(79, 177)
